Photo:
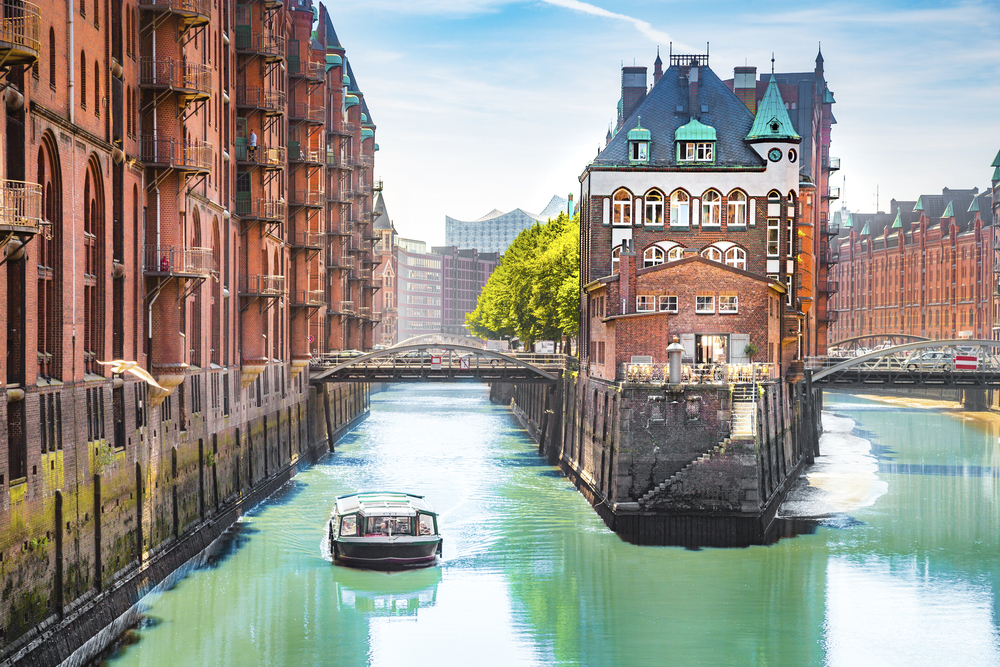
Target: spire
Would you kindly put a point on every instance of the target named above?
(898, 222)
(974, 206)
(850, 221)
(772, 121)
(657, 67)
(819, 55)
(949, 212)
(866, 231)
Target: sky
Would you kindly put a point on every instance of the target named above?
(483, 104)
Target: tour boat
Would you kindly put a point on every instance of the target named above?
(384, 530)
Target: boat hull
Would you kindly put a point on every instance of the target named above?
(383, 553)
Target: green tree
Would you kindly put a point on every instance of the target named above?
(535, 292)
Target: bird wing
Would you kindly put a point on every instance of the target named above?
(144, 375)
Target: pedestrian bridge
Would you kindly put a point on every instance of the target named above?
(436, 362)
(934, 363)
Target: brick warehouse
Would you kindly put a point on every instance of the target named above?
(923, 268)
(187, 185)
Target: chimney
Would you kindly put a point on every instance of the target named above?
(694, 109)
(626, 277)
(569, 205)
(633, 89)
(745, 86)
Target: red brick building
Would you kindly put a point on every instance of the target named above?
(924, 268)
(186, 185)
(692, 226)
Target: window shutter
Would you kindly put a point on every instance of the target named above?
(737, 343)
(687, 340)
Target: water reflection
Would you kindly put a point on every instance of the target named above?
(393, 595)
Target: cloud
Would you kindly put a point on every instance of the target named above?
(645, 27)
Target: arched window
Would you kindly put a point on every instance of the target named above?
(736, 209)
(615, 259)
(653, 256)
(52, 57)
(712, 253)
(93, 267)
(622, 213)
(48, 256)
(675, 253)
(654, 208)
(736, 257)
(711, 209)
(680, 209)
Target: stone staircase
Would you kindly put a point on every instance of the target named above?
(744, 413)
(717, 451)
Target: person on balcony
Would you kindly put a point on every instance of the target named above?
(252, 148)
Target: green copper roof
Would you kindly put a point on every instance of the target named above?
(828, 97)
(364, 118)
(919, 206)
(333, 60)
(898, 222)
(346, 80)
(366, 134)
(949, 212)
(996, 174)
(866, 231)
(837, 219)
(996, 160)
(639, 133)
(376, 146)
(974, 206)
(693, 131)
(850, 221)
(351, 101)
(772, 121)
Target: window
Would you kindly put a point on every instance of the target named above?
(622, 208)
(712, 253)
(639, 151)
(97, 89)
(728, 304)
(705, 304)
(349, 526)
(675, 253)
(653, 256)
(668, 304)
(736, 257)
(645, 303)
(615, 258)
(711, 209)
(680, 209)
(737, 209)
(654, 207)
(700, 151)
(773, 235)
(52, 58)
(83, 75)
(425, 524)
(788, 286)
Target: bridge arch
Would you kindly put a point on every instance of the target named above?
(414, 363)
(886, 362)
(855, 342)
(443, 339)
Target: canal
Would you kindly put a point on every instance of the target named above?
(904, 568)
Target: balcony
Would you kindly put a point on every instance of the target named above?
(832, 229)
(834, 193)
(297, 153)
(345, 229)
(347, 193)
(309, 70)
(260, 209)
(189, 157)
(270, 47)
(364, 161)
(365, 312)
(193, 13)
(271, 102)
(173, 261)
(191, 81)
(307, 240)
(308, 198)
(347, 307)
(829, 316)
(345, 129)
(20, 34)
(260, 156)
(828, 255)
(334, 161)
(20, 207)
(308, 298)
(268, 286)
(308, 113)
(829, 286)
(833, 164)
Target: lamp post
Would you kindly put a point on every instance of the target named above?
(674, 351)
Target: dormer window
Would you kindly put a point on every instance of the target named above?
(695, 142)
(701, 151)
(638, 144)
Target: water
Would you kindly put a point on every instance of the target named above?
(903, 570)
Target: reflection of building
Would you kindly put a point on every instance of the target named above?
(690, 226)
(496, 230)
(923, 268)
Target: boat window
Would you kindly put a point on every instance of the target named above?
(426, 524)
(388, 525)
(349, 525)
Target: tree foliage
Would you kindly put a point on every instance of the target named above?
(535, 292)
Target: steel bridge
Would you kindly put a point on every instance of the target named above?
(933, 363)
(437, 362)
(849, 346)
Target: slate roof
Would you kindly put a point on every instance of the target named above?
(382, 220)
(772, 121)
(332, 41)
(726, 113)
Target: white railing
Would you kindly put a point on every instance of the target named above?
(697, 373)
(20, 204)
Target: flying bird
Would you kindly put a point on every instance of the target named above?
(133, 367)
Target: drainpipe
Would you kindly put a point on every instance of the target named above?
(72, 65)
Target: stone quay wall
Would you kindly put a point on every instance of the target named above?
(80, 550)
(658, 463)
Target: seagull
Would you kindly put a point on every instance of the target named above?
(133, 367)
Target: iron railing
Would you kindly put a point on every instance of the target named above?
(697, 373)
(305, 70)
(20, 31)
(258, 98)
(264, 209)
(365, 161)
(303, 111)
(347, 307)
(270, 157)
(347, 193)
(257, 285)
(365, 312)
(199, 7)
(829, 316)
(313, 298)
(312, 198)
(306, 240)
(174, 260)
(176, 153)
(833, 164)
(178, 75)
(829, 286)
(269, 46)
(298, 153)
(341, 128)
(20, 204)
